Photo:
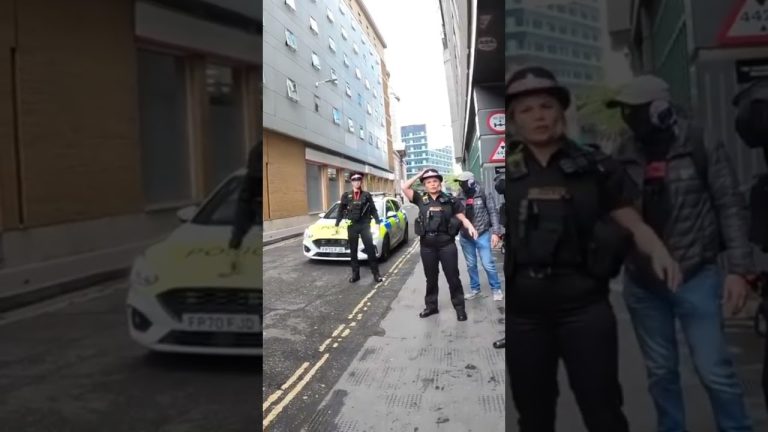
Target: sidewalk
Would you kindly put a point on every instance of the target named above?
(283, 229)
(433, 374)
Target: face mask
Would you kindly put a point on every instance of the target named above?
(467, 186)
(638, 119)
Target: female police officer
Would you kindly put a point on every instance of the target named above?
(560, 247)
(439, 221)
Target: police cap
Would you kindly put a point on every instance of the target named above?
(356, 175)
(535, 80)
(431, 173)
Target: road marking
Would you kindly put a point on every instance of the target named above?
(364, 304)
(288, 398)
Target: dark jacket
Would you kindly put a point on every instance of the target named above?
(485, 209)
(704, 219)
(369, 208)
(248, 210)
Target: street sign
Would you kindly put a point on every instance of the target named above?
(747, 24)
(499, 170)
(498, 154)
(496, 121)
(751, 70)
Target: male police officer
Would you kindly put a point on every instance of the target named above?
(248, 210)
(481, 209)
(440, 218)
(358, 207)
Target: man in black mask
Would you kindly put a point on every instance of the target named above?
(691, 199)
(481, 209)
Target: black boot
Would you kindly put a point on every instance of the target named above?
(427, 312)
(501, 343)
(355, 276)
(376, 276)
(461, 314)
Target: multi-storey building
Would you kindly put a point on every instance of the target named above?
(419, 156)
(325, 104)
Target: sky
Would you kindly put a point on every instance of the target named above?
(414, 56)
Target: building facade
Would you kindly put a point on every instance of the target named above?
(107, 130)
(418, 155)
(325, 105)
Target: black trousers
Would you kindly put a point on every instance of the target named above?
(361, 231)
(435, 250)
(764, 311)
(586, 340)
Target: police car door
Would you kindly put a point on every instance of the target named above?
(395, 231)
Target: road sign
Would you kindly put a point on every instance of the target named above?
(498, 154)
(496, 121)
(747, 24)
(751, 69)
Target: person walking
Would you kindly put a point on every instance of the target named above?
(440, 218)
(569, 219)
(358, 207)
(691, 199)
(482, 211)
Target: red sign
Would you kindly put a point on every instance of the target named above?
(499, 153)
(496, 121)
(747, 24)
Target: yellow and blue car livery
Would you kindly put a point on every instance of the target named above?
(183, 296)
(322, 241)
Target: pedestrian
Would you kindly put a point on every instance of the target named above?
(248, 208)
(751, 124)
(483, 212)
(440, 218)
(691, 199)
(358, 207)
(569, 217)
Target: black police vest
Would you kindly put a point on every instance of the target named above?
(436, 215)
(552, 215)
(355, 210)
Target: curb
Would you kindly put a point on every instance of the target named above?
(281, 238)
(47, 292)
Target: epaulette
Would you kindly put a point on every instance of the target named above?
(515, 161)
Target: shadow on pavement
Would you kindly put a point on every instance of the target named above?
(233, 365)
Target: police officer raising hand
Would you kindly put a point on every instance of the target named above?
(439, 222)
(358, 207)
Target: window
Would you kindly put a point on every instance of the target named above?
(342, 9)
(350, 126)
(563, 30)
(560, 8)
(381, 121)
(314, 188)
(361, 132)
(357, 73)
(291, 4)
(375, 94)
(329, 15)
(334, 77)
(293, 90)
(360, 99)
(346, 60)
(552, 49)
(336, 116)
(367, 85)
(317, 104)
(551, 27)
(344, 34)
(290, 40)
(349, 90)
(315, 61)
(537, 24)
(313, 26)
(355, 48)
(370, 111)
(331, 44)
(166, 176)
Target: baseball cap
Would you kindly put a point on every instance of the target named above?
(465, 176)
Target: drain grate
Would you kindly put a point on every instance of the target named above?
(492, 404)
(324, 418)
(404, 401)
(361, 376)
(370, 353)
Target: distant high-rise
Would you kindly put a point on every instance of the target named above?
(566, 38)
(419, 156)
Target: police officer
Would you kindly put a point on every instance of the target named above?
(357, 206)
(561, 256)
(248, 209)
(441, 216)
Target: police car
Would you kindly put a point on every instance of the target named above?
(322, 242)
(182, 296)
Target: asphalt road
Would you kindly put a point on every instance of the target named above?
(315, 324)
(69, 366)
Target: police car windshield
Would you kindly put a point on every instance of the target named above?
(334, 210)
(220, 209)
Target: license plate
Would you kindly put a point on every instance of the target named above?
(333, 249)
(223, 323)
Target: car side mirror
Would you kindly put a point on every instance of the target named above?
(321, 215)
(187, 213)
(391, 214)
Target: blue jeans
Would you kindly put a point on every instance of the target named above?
(471, 249)
(697, 305)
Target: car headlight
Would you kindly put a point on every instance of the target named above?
(307, 234)
(142, 273)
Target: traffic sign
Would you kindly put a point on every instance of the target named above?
(747, 24)
(498, 154)
(496, 121)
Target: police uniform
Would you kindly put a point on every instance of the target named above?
(358, 207)
(437, 227)
(558, 269)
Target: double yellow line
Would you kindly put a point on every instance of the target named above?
(288, 391)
